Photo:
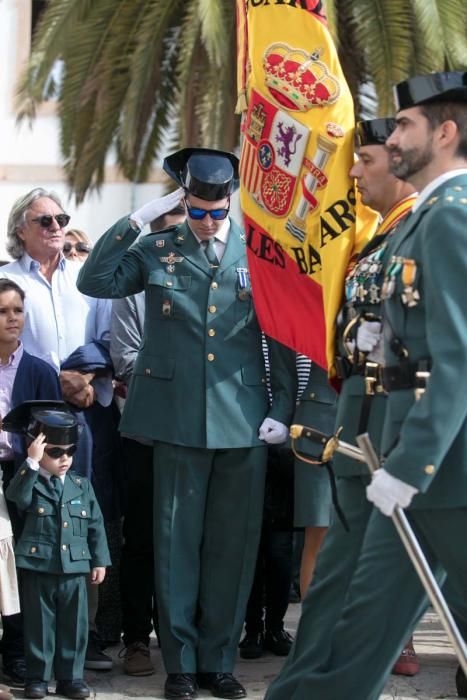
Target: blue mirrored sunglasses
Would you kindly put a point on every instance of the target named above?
(198, 214)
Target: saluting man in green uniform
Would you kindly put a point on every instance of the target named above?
(424, 439)
(199, 391)
(360, 407)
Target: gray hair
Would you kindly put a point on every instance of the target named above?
(17, 218)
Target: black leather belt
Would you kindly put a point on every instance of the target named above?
(407, 375)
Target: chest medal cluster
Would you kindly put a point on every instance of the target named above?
(406, 269)
(363, 283)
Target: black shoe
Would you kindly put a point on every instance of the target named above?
(251, 646)
(72, 689)
(278, 642)
(221, 685)
(181, 685)
(14, 671)
(461, 683)
(95, 659)
(36, 689)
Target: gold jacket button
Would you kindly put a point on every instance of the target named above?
(118, 238)
(169, 283)
(64, 547)
(23, 472)
(147, 371)
(83, 513)
(430, 469)
(214, 285)
(41, 510)
(212, 309)
(211, 357)
(211, 332)
(65, 524)
(33, 550)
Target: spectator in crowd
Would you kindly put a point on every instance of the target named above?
(22, 377)
(55, 555)
(269, 597)
(58, 320)
(202, 349)
(137, 563)
(77, 245)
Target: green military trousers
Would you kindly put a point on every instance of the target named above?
(208, 507)
(384, 602)
(55, 613)
(322, 606)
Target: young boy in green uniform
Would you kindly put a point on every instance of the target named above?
(62, 540)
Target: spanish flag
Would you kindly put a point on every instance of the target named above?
(296, 196)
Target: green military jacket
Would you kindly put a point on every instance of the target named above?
(199, 379)
(58, 537)
(316, 409)
(363, 297)
(426, 440)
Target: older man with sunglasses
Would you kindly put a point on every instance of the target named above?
(58, 320)
(198, 391)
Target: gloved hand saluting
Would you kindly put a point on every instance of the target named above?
(273, 432)
(387, 492)
(156, 207)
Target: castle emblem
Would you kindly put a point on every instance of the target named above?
(272, 154)
(298, 80)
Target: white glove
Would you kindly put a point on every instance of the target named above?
(368, 335)
(156, 207)
(387, 492)
(273, 432)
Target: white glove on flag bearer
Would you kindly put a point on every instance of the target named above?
(273, 432)
(387, 492)
(157, 207)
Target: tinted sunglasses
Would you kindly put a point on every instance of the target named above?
(56, 452)
(79, 247)
(46, 220)
(198, 214)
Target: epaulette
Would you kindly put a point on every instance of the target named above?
(457, 194)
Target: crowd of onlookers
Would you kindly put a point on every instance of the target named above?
(91, 346)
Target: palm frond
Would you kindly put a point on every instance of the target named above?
(384, 36)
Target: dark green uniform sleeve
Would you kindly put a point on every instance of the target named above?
(97, 540)
(20, 488)
(111, 270)
(284, 381)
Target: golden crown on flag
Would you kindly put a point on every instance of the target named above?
(297, 79)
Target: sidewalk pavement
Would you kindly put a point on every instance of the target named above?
(435, 680)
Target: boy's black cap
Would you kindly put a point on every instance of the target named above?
(450, 86)
(374, 132)
(52, 418)
(204, 172)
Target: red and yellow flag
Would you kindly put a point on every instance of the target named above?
(296, 196)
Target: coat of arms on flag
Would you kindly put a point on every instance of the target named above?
(272, 155)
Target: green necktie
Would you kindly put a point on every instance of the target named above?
(210, 252)
(57, 485)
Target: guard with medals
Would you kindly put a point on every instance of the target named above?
(360, 408)
(424, 438)
(198, 390)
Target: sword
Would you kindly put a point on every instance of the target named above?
(365, 453)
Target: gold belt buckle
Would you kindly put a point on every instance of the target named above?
(371, 377)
